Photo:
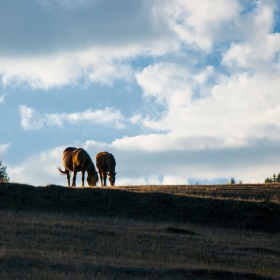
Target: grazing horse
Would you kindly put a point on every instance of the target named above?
(105, 163)
(76, 160)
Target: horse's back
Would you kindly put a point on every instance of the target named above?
(101, 154)
(81, 158)
(67, 158)
(104, 160)
(68, 150)
(76, 158)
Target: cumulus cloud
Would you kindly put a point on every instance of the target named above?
(246, 56)
(237, 108)
(207, 107)
(210, 89)
(259, 49)
(43, 166)
(78, 43)
(75, 48)
(93, 65)
(62, 69)
(172, 83)
(199, 23)
(32, 120)
(255, 24)
(249, 164)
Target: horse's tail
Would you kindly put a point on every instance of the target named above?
(61, 171)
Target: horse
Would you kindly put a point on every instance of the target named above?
(105, 163)
(76, 160)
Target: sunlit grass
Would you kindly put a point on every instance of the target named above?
(242, 192)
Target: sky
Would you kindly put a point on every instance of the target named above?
(179, 91)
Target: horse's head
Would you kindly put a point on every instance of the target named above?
(112, 178)
(92, 178)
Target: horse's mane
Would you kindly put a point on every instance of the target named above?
(91, 168)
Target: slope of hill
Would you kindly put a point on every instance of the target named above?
(143, 232)
(146, 206)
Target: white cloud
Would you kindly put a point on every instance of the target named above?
(209, 109)
(174, 180)
(255, 25)
(172, 83)
(62, 69)
(135, 119)
(205, 107)
(152, 180)
(32, 120)
(39, 72)
(126, 181)
(101, 58)
(86, 41)
(135, 167)
(158, 80)
(39, 169)
(170, 141)
(257, 48)
(2, 98)
(4, 147)
(199, 23)
(263, 58)
(106, 65)
(95, 65)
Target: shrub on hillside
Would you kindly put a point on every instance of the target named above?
(3, 173)
(268, 180)
(273, 179)
(232, 181)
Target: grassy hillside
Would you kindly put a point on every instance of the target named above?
(151, 204)
(145, 232)
(247, 192)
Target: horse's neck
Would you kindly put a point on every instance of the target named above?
(111, 169)
(91, 166)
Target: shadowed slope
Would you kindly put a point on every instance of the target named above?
(77, 269)
(160, 207)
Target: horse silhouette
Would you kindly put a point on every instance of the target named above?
(105, 163)
(78, 160)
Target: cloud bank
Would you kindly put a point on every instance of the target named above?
(207, 76)
(32, 120)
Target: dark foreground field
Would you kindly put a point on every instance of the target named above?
(163, 232)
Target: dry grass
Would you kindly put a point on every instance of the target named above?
(56, 246)
(61, 233)
(246, 192)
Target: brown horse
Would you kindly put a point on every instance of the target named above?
(76, 160)
(105, 163)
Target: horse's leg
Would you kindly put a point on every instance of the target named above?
(68, 177)
(74, 178)
(101, 177)
(105, 178)
(83, 177)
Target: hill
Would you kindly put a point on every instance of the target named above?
(153, 205)
(141, 232)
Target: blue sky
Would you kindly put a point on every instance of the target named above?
(180, 91)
